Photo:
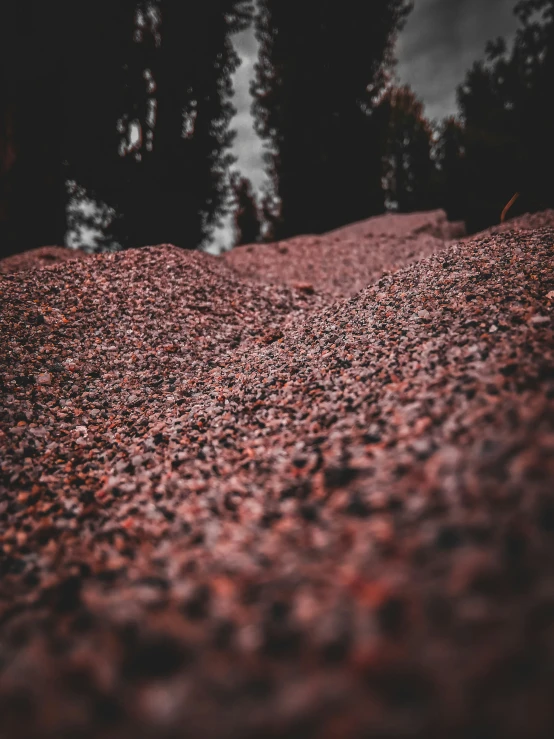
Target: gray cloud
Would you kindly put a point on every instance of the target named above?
(246, 44)
(441, 40)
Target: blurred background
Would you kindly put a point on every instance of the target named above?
(126, 123)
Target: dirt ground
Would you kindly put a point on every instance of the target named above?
(299, 490)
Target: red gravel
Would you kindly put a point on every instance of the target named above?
(344, 261)
(236, 509)
(527, 222)
(44, 256)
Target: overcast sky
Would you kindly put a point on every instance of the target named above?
(440, 41)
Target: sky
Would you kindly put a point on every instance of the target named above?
(440, 41)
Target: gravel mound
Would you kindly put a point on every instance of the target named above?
(44, 256)
(526, 222)
(234, 509)
(432, 222)
(343, 262)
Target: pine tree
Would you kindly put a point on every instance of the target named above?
(270, 214)
(409, 169)
(100, 88)
(247, 225)
(505, 107)
(318, 78)
(94, 73)
(490, 145)
(63, 89)
(32, 189)
(450, 157)
(178, 179)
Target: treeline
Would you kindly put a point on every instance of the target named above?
(345, 143)
(505, 144)
(131, 100)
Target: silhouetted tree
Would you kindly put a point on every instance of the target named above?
(506, 109)
(64, 84)
(409, 169)
(128, 99)
(491, 147)
(450, 160)
(270, 213)
(533, 53)
(102, 85)
(247, 223)
(8, 155)
(320, 72)
(178, 177)
(32, 189)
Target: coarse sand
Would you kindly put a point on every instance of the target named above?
(299, 490)
(44, 256)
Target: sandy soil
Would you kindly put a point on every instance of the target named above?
(245, 497)
(44, 256)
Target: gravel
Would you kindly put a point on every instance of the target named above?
(343, 262)
(44, 256)
(240, 508)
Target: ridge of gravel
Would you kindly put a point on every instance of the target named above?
(344, 261)
(335, 522)
(525, 222)
(43, 256)
(432, 222)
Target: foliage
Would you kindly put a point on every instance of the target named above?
(318, 79)
(449, 154)
(32, 191)
(133, 100)
(177, 186)
(408, 167)
(247, 224)
(270, 214)
(505, 107)
(90, 222)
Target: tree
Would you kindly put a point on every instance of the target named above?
(504, 104)
(177, 179)
(102, 84)
(450, 160)
(32, 189)
(270, 214)
(78, 104)
(318, 78)
(64, 86)
(491, 147)
(409, 169)
(533, 57)
(247, 223)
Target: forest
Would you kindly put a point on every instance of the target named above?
(131, 103)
